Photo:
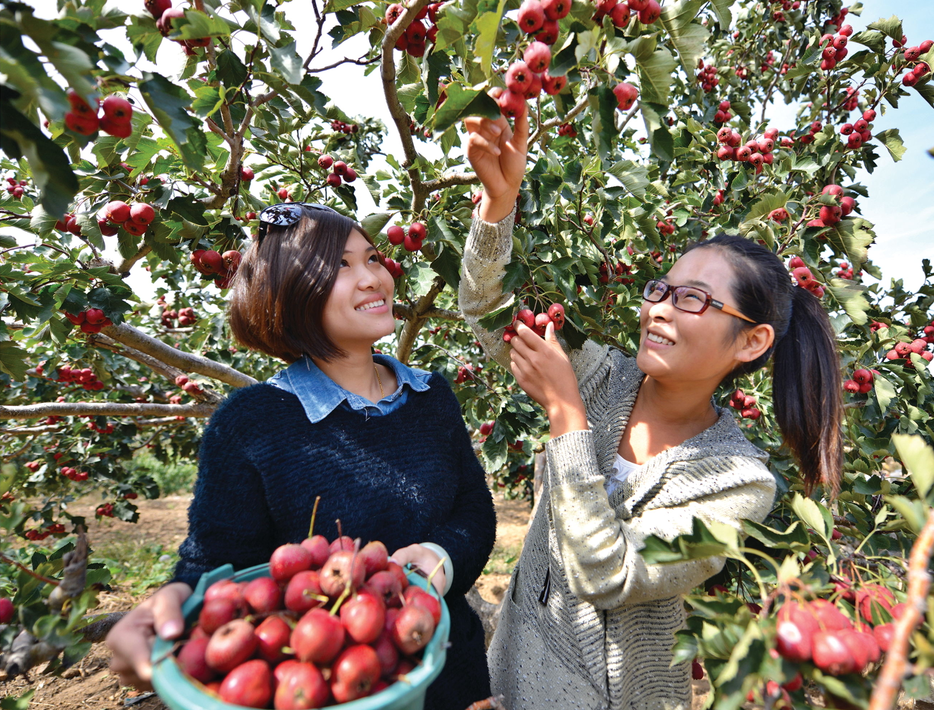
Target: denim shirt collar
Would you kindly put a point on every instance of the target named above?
(320, 395)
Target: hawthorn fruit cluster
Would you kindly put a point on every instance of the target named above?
(340, 171)
(745, 404)
(417, 36)
(84, 120)
(333, 623)
(804, 278)
(90, 321)
(221, 266)
(538, 322)
(134, 219)
(412, 240)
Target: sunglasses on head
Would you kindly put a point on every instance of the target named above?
(285, 215)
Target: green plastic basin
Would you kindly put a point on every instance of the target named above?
(178, 692)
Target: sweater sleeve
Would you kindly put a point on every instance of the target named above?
(469, 533)
(486, 255)
(600, 551)
(228, 520)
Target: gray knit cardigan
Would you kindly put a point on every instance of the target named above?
(586, 622)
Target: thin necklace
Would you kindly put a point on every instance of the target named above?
(382, 395)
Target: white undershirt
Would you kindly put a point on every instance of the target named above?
(621, 471)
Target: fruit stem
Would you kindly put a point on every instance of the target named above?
(434, 571)
(314, 512)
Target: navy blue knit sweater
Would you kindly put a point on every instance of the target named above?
(406, 477)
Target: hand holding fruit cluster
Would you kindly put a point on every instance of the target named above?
(272, 642)
(537, 322)
(84, 120)
(211, 263)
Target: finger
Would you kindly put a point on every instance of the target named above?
(479, 144)
(520, 131)
(550, 333)
(167, 610)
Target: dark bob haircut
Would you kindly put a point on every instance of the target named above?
(283, 284)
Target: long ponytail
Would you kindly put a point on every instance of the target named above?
(806, 381)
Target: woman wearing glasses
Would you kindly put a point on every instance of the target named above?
(639, 448)
(382, 444)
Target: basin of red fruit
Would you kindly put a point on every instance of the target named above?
(306, 676)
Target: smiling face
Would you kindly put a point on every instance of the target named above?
(358, 311)
(695, 348)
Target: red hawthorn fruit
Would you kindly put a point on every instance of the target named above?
(556, 9)
(249, 685)
(874, 597)
(283, 193)
(7, 610)
(556, 314)
(288, 560)
(318, 637)
(303, 592)
(650, 13)
(537, 56)
(518, 77)
(883, 634)
(272, 637)
(394, 12)
(831, 654)
(549, 32)
(626, 95)
(553, 84)
(211, 262)
(412, 629)
(117, 109)
(619, 15)
(300, 686)
(191, 660)
(395, 234)
(510, 103)
(354, 673)
(333, 179)
(142, 213)
(232, 644)
(531, 16)
(88, 125)
(417, 230)
(363, 616)
(117, 211)
(263, 595)
(216, 613)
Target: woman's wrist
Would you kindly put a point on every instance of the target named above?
(496, 209)
(564, 417)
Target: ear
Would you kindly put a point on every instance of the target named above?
(754, 342)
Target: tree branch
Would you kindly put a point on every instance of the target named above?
(411, 327)
(112, 409)
(187, 362)
(450, 181)
(555, 122)
(889, 680)
(404, 312)
(207, 396)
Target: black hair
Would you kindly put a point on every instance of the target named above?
(806, 370)
(283, 284)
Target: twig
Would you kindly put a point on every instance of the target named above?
(34, 575)
(889, 680)
(553, 123)
(111, 409)
(411, 328)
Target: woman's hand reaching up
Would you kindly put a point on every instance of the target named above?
(497, 153)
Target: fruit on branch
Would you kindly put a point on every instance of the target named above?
(531, 16)
(510, 103)
(325, 161)
(650, 13)
(7, 610)
(556, 9)
(246, 173)
(537, 56)
(626, 95)
(549, 32)
(518, 77)
(554, 85)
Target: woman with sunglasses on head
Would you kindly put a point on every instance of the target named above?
(382, 444)
(638, 448)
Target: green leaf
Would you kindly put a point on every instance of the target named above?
(893, 143)
(891, 27)
(852, 297)
(857, 235)
(13, 360)
(487, 27)
(794, 538)
(770, 200)
(918, 458)
(722, 10)
(814, 515)
(655, 73)
(603, 109)
(287, 62)
(913, 512)
(635, 177)
(659, 138)
(50, 167)
(198, 24)
(373, 224)
(72, 63)
(230, 70)
(460, 103)
(208, 100)
(697, 545)
(168, 104)
(885, 392)
(687, 37)
(447, 264)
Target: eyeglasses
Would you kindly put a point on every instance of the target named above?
(687, 298)
(286, 214)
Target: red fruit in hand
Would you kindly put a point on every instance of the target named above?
(318, 637)
(556, 313)
(232, 644)
(511, 104)
(288, 560)
(526, 317)
(354, 673)
(249, 685)
(541, 322)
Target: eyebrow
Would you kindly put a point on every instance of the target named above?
(693, 282)
(365, 251)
